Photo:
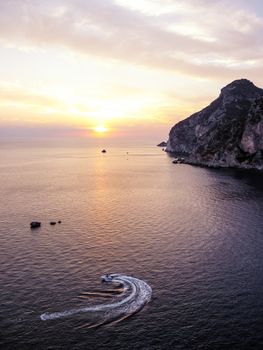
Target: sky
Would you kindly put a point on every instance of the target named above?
(120, 68)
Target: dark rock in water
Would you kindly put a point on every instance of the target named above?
(35, 224)
(52, 223)
(227, 133)
(103, 151)
(162, 144)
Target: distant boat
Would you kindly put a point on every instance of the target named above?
(103, 151)
(35, 224)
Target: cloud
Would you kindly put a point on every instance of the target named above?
(15, 94)
(23, 105)
(201, 38)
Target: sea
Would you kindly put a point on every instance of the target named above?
(187, 240)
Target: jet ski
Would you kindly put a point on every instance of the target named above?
(106, 278)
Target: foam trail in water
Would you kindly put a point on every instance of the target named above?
(136, 293)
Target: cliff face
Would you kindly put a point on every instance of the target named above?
(227, 133)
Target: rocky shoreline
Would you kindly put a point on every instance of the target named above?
(227, 133)
(213, 165)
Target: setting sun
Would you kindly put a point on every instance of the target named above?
(100, 129)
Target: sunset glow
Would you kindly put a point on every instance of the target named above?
(101, 129)
(139, 66)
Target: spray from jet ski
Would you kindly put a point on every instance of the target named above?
(135, 294)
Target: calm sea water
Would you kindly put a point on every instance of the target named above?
(194, 235)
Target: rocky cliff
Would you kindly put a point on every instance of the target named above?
(227, 133)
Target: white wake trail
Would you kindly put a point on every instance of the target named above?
(136, 294)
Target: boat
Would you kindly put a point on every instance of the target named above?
(103, 151)
(35, 224)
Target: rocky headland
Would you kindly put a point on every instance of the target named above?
(227, 133)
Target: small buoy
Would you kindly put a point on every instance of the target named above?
(59, 222)
(52, 223)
